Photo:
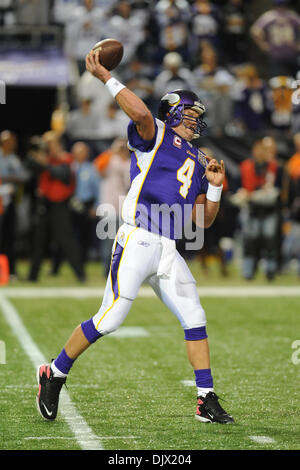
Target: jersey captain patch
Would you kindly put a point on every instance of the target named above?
(177, 141)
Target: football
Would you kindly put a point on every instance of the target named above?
(111, 53)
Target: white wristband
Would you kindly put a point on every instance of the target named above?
(214, 193)
(114, 86)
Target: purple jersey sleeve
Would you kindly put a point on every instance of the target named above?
(137, 142)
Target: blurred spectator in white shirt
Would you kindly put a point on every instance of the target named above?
(83, 123)
(205, 24)
(251, 100)
(63, 10)
(127, 26)
(83, 29)
(137, 78)
(220, 105)
(89, 87)
(173, 76)
(295, 119)
(207, 67)
(172, 17)
(12, 174)
(7, 12)
(85, 200)
(12, 171)
(115, 183)
(33, 12)
(113, 123)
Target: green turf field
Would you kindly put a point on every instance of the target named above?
(130, 391)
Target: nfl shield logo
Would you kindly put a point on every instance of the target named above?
(202, 158)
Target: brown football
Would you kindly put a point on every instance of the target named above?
(111, 53)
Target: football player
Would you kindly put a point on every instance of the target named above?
(166, 169)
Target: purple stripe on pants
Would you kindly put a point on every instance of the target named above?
(116, 258)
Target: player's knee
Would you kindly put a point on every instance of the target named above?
(109, 321)
(194, 318)
(109, 329)
(92, 333)
(110, 324)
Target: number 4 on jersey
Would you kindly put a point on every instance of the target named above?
(184, 175)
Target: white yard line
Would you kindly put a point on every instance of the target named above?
(130, 332)
(188, 383)
(25, 386)
(262, 439)
(52, 292)
(147, 292)
(50, 438)
(83, 434)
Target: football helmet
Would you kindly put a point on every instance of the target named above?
(172, 106)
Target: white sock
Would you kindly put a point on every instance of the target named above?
(202, 392)
(56, 371)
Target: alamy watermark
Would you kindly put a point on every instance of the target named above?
(174, 222)
(296, 94)
(2, 92)
(2, 353)
(296, 354)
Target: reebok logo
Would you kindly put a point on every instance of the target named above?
(141, 242)
(2, 92)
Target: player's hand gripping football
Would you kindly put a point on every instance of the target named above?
(93, 65)
(215, 172)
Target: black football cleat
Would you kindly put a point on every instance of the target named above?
(209, 410)
(48, 394)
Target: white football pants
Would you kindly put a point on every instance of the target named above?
(138, 256)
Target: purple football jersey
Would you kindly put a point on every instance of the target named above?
(167, 175)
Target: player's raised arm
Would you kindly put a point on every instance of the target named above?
(130, 103)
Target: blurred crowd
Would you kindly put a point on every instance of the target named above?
(244, 67)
